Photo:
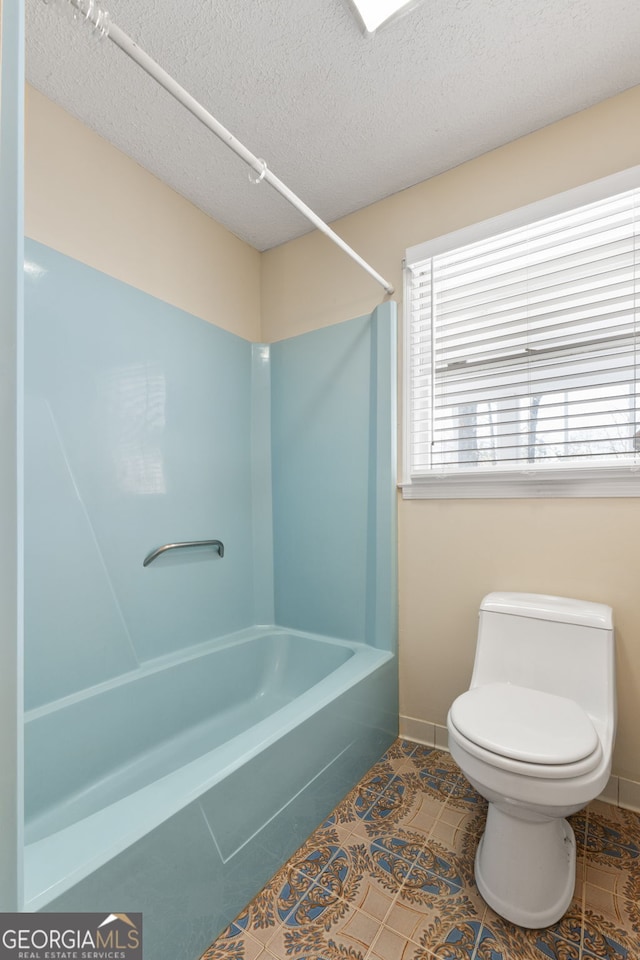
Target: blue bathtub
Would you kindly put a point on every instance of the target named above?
(200, 774)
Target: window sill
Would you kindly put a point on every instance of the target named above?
(511, 484)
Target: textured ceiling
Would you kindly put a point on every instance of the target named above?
(342, 119)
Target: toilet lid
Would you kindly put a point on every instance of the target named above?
(524, 724)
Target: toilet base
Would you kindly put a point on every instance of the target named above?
(526, 868)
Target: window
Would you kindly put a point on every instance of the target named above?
(522, 361)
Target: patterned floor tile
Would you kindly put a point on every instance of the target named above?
(292, 892)
(396, 804)
(324, 927)
(234, 944)
(352, 815)
(401, 749)
(368, 875)
(393, 856)
(340, 911)
(375, 900)
(437, 919)
(612, 871)
(451, 931)
(390, 945)
(561, 941)
(404, 804)
(577, 936)
(459, 833)
(602, 903)
(463, 796)
(421, 812)
(381, 774)
(626, 821)
(271, 907)
(613, 919)
(613, 833)
(488, 946)
(435, 767)
(603, 940)
(435, 909)
(436, 869)
(397, 759)
(407, 919)
(389, 876)
(459, 830)
(578, 823)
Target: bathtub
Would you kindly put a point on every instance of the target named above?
(167, 778)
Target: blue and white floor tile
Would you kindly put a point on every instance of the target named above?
(389, 876)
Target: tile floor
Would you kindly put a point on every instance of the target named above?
(389, 876)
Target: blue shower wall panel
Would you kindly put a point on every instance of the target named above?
(138, 433)
(321, 437)
(11, 411)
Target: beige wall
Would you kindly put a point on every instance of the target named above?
(453, 552)
(90, 201)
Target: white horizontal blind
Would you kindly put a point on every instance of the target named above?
(523, 346)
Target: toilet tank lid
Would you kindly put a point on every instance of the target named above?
(545, 607)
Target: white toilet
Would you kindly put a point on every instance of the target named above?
(534, 735)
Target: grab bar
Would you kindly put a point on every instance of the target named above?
(179, 546)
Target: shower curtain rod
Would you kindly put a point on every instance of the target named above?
(89, 12)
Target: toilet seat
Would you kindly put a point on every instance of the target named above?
(527, 731)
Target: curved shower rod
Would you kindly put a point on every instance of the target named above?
(89, 12)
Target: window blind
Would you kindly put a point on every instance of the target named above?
(524, 345)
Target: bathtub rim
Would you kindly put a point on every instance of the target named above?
(59, 861)
(174, 659)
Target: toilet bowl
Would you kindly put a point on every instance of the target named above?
(534, 735)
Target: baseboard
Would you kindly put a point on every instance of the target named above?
(425, 732)
(623, 793)
(619, 791)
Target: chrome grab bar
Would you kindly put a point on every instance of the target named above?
(179, 546)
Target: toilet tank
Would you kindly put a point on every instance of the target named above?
(555, 644)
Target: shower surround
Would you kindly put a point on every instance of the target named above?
(188, 723)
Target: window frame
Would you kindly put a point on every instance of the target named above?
(543, 480)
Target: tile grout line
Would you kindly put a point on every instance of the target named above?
(479, 937)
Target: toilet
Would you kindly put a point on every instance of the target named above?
(534, 735)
